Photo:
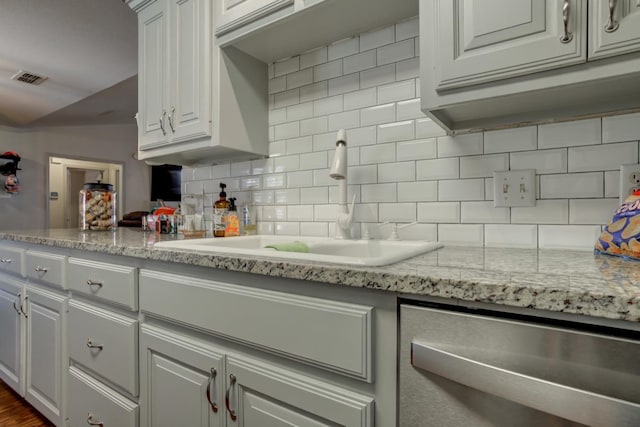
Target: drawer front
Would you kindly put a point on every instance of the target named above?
(12, 260)
(329, 334)
(109, 282)
(47, 268)
(90, 401)
(104, 342)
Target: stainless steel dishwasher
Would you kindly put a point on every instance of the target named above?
(465, 369)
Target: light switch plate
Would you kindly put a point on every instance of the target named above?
(629, 180)
(514, 188)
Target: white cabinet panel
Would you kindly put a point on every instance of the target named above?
(93, 402)
(181, 380)
(12, 260)
(46, 268)
(616, 37)
(231, 14)
(105, 281)
(483, 41)
(11, 333)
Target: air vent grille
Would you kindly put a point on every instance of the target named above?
(28, 78)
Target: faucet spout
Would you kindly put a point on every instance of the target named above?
(339, 173)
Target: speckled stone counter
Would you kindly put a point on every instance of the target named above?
(559, 281)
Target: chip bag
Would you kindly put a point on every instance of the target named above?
(621, 236)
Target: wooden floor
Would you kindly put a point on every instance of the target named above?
(16, 412)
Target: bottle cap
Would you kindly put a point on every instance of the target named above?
(222, 187)
(232, 203)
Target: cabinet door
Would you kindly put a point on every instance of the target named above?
(232, 14)
(189, 114)
(181, 381)
(152, 75)
(11, 334)
(260, 394)
(45, 357)
(489, 40)
(617, 35)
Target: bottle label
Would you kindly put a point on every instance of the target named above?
(219, 219)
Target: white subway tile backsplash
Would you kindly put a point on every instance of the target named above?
(332, 104)
(311, 92)
(328, 70)
(461, 145)
(263, 198)
(276, 180)
(570, 134)
(377, 38)
(344, 84)
(438, 169)
(318, 229)
(397, 212)
(399, 131)
(316, 195)
(409, 110)
(313, 160)
(286, 164)
(277, 85)
(287, 130)
(286, 228)
(381, 153)
(300, 111)
(360, 99)
(313, 57)
(612, 184)
(359, 62)
(321, 178)
(343, 48)
(488, 188)
(237, 169)
(592, 211)
(378, 114)
(284, 99)
(418, 191)
(483, 166)
(574, 185)
(543, 161)
(461, 189)
(544, 212)
(378, 193)
(377, 76)
(416, 149)
(367, 174)
(439, 212)
(397, 172)
(261, 166)
(426, 232)
(352, 191)
(469, 235)
(408, 69)
(602, 157)
(361, 136)
(427, 128)
(506, 140)
(303, 144)
(407, 29)
(345, 120)
(299, 78)
(300, 213)
(483, 212)
(203, 173)
(289, 196)
(325, 212)
(515, 236)
(314, 126)
(278, 116)
(396, 52)
(326, 141)
(299, 179)
(250, 183)
(286, 66)
(367, 212)
(573, 237)
(621, 128)
(398, 91)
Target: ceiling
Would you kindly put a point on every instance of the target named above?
(86, 49)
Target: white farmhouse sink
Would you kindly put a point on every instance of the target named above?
(321, 249)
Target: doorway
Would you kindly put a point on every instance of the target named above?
(67, 177)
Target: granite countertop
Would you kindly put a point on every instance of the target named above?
(555, 280)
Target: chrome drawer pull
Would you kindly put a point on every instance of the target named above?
(39, 269)
(212, 377)
(612, 24)
(93, 423)
(90, 344)
(567, 36)
(232, 413)
(18, 310)
(92, 283)
(5, 260)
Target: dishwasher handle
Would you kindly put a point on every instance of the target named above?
(577, 405)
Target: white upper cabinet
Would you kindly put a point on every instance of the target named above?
(615, 27)
(174, 67)
(496, 39)
(231, 14)
(487, 64)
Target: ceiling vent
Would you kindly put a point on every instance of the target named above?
(28, 78)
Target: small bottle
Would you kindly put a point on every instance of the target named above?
(249, 227)
(219, 212)
(232, 222)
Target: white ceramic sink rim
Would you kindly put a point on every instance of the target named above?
(321, 249)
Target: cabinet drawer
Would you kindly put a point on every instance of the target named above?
(12, 260)
(326, 333)
(106, 343)
(91, 401)
(110, 282)
(47, 268)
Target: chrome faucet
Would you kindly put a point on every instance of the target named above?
(339, 172)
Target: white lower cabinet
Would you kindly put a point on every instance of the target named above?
(12, 330)
(94, 404)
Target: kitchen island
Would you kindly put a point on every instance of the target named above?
(257, 338)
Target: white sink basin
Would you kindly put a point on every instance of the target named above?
(321, 249)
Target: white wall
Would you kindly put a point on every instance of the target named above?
(402, 166)
(114, 144)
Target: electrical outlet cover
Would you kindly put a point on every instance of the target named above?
(514, 188)
(629, 180)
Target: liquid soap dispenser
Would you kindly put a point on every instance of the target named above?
(232, 222)
(220, 212)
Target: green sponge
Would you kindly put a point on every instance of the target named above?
(290, 247)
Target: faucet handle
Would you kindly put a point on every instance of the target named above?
(396, 227)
